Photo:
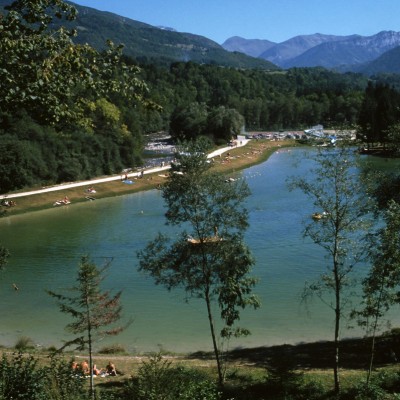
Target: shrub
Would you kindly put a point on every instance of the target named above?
(113, 349)
(370, 392)
(62, 384)
(309, 391)
(157, 380)
(388, 380)
(24, 343)
(21, 379)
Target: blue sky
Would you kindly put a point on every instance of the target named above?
(274, 20)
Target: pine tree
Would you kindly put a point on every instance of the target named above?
(91, 308)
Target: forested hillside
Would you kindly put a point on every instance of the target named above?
(149, 43)
(294, 99)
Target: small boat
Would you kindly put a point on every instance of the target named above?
(317, 216)
(90, 198)
(212, 239)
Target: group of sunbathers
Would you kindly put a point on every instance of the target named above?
(83, 368)
(8, 203)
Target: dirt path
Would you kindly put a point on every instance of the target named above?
(109, 178)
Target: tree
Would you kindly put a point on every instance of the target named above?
(224, 123)
(91, 308)
(381, 286)
(338, 194)
(195, 120)
(379, 111)
(189, 122)
(393, 137)
(209, 258)
(45, 73)
(71, 89)
(20, 163)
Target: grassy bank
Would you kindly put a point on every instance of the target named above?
(290, 372)
(255, 152)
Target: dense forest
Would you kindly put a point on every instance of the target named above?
(69, 112)
(293, 99)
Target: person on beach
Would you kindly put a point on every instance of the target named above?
(74, 366)
(85, 368)
(96, 371)
(110, 369)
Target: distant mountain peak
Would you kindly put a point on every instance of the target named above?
(329, 51)
(251, 47)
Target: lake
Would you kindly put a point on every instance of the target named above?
(46, 247)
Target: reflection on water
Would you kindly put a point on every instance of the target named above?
(46, 247)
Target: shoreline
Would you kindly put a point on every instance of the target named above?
(305, 356)
(252, 153)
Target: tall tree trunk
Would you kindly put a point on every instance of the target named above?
(371, 361)
(337, 318)
(214, 340)
(91, 364)
(89, 330)
(337, 341)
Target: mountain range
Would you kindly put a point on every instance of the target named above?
(365, 54)
(151, 44)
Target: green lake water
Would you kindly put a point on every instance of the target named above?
(46, 247)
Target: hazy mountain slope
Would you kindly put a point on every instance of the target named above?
(388, 62)
(148, 43)
(354, 50)
(289, 49)
(251, 47)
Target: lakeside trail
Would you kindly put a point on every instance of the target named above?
(121, 176)
(227, 160)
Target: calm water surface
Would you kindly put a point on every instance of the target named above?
(46, 247)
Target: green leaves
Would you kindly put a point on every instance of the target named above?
(43, 72)
(196, 119)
